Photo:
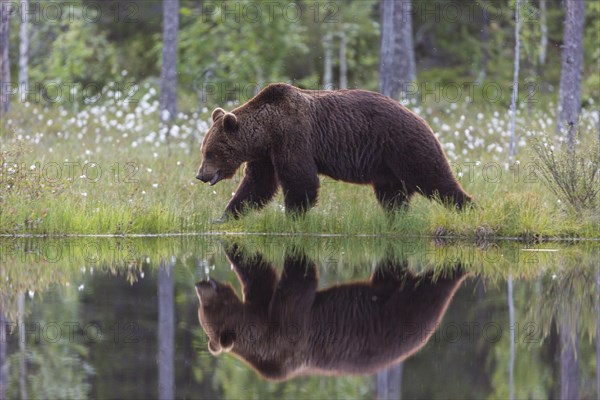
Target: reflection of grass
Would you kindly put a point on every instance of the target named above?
(35, 264)
(127, 178)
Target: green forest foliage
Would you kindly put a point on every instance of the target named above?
(231, 47)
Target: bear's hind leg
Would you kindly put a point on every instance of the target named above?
(451, 196)
(300, 186)
(391, 271)
(392, 198)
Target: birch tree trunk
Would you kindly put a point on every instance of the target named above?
(24, 47)
(485, 43)
(543, 32)
(343, 59)
(168, 88)
(4, 60)
(386, 61)
(328, 61)
(515, 92)
(569, 103)
(404, 51)
(397, 59)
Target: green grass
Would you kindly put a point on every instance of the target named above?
(148, 186)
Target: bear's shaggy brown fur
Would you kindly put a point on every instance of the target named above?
(287, 136)
(284, 327)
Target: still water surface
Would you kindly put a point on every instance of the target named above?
(270, 317)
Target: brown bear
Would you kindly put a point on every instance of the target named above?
(287, 136)
(284, 327)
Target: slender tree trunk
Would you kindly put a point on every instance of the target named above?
(572, 68)
(24, 47)
(405, 71)
(515, 92)
(4, 58)
(328, 61)
(166, 332)
(168, 89)
(397, 59)
(485, 43)
(260, 79)
(543, 32)
(386, 61)
(343, 59)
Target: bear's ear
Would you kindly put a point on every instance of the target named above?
(227, 339)
(219, 112)
(214, 349)
(206, 291)
(230, 122)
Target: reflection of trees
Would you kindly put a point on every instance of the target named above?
(166, 331)
(597, 308)
(566, 309)
(511, 327)
(389, 383)
(3, 344)
(569, 346)
(476, 369)
(58, 368)
(22, 347)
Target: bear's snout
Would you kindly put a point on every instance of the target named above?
(211, 179)
(202, 177)
(208, 174)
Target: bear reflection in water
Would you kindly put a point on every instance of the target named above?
(285, 327)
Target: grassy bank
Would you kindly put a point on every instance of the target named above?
(111, 169)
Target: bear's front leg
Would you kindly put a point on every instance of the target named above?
(257, 276)
(300, 184)
(256, 189)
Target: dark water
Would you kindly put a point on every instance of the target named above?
(321, 318)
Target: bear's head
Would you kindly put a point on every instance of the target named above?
(245, 134)
(222, 149)
(218, 312)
